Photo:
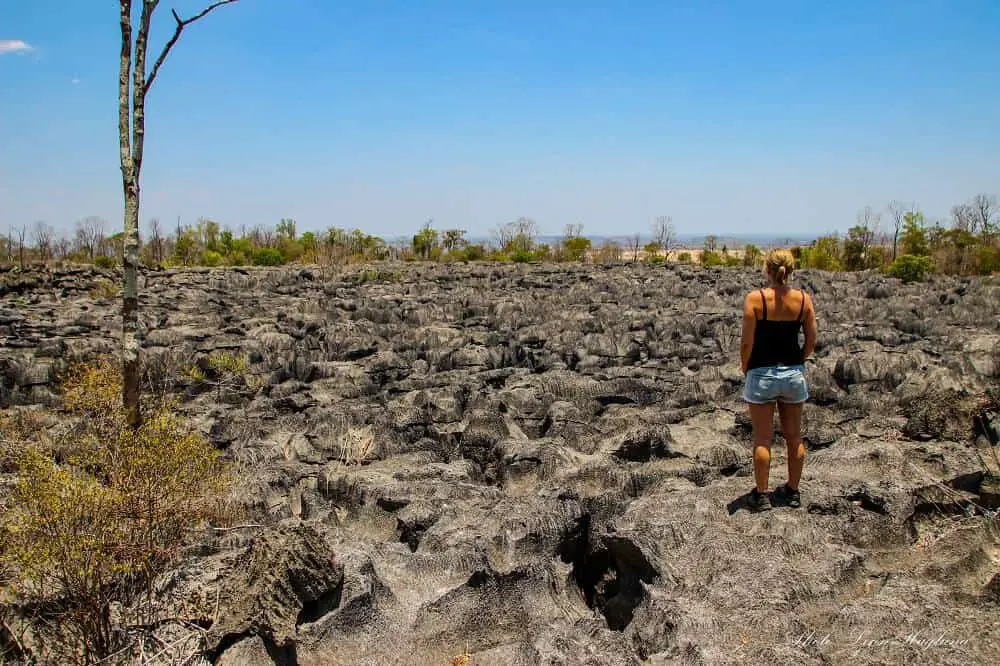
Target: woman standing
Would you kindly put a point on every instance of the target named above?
(773, 362)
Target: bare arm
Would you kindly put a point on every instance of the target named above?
(809, 328)
(749, 326)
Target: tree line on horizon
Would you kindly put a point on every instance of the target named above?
(898, 240)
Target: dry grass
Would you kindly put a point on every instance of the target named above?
(357, 445)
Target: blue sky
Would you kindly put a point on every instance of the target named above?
(732, 117)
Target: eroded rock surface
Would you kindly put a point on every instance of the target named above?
(547, 464)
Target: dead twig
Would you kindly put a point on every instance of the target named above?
(247, 526)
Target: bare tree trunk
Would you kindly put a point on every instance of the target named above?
(131, 146)
(20, 246)
(130, 186)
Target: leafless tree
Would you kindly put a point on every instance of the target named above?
(62, 248)
(868, 220)
(90, 235)
(22, 231)
(42, 235)
(131, 137)
(963, 217)
(664, 233)
(156, 240)
(520, 234)
(984, 210)
(634, 244)
(898, 211)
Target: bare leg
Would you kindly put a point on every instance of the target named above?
(791, 428)
(763, 430)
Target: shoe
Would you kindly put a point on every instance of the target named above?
(794, 500)
(758, 501)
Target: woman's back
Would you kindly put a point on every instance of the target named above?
(780, 315)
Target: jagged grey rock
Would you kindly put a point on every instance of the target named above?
(547, 464)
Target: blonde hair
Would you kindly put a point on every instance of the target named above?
(779, 265)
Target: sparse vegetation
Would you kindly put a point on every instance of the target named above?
(100, 509)
(969, 246)
(105, 289)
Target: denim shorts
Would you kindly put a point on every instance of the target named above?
(781, 383)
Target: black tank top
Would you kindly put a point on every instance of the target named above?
(776, 342)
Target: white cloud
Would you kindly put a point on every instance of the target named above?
(14, 46)
(75, 81)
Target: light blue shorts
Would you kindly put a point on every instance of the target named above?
(781, 383)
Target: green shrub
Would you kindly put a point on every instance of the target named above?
(474, 253)
(105, 289)
(211, 258)
(97, 515)
(911, 268)
(988, 260)
(684, 257)
(102, 261)
(576, 248)
(267, 256)
(236, 259)
(711, 258)
(521, 256)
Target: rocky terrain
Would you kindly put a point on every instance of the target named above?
(511, 464)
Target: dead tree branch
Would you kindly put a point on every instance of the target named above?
(181, 24)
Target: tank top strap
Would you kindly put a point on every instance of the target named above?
(763, 302)
(802, 308)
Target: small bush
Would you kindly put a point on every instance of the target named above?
(223, 362)
(105, 289)
(211, 258)
(474, 253)
(102, 261)
(521, 256)
(542, 253)
(237, 259)
(267, 256)
(988, 260)
(911, 268)
(684, 257)
(91, 526)
(711, 258)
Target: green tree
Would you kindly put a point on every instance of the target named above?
(823, 254)
(425, 240)
(752, 256)
(286, 228)
(226, 241)
(857, 248)
(575, 249)
(208, 232)
(711, 258)
(186, 247)
(914, 239)
(267, 256)
(453, 239)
